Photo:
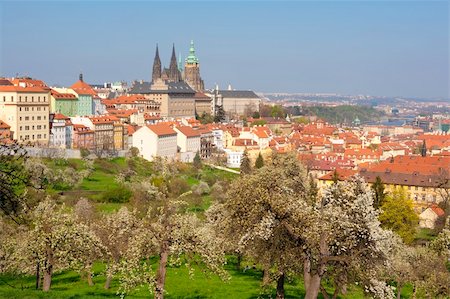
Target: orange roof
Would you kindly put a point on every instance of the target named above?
(103, 119)
(65, 96)
(188, 131)
(343, 174)
(29, 82)
(11, 88)
(82, 87)
(438, 210)
(162, 129)
(4, 125)
(60, 116)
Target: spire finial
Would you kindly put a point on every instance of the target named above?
(81, 77)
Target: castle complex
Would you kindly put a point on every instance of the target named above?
(174, 73)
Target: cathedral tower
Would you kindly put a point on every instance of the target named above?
(174, 74)
(192, 70)
(156, 66)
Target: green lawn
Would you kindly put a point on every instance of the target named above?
(178, 285)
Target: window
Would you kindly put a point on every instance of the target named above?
(32, 118)
(27, 128)
(4, 99)
(33, 130)
(44, 126)
(20, 98)
(39, 136)
(38, 117)
(27, 118)
(20, 118)
(20, 108)
(38, 127)
(20, 128)
(32, 99)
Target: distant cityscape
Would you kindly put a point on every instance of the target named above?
(172, 115)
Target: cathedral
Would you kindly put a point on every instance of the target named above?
(174, 73)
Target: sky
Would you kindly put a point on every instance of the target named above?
(385, 48)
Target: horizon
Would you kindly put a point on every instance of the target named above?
(394, 49)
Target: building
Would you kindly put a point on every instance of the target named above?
(156, 140)
(60, 131)
(63, 103)
(176, 99)
(83, 137)
(192, 70)
(5, 132)
(188, 142)
(85, 94)
(103, 128)
(172, 74)
(24, 106)
(238, 102)
(203, 104)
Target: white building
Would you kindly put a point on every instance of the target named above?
(188, 141)
(234, 158)
(218, 138)
(156, 140)
(61, 131)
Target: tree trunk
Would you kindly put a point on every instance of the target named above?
(239, 260)
(306, 273)
(38, 276)
(313, 287)
(324, 292)
(161, 275)
(108, 281)
(266, 275)
(48, 271)
(280, 287)
(89, 278)
(399, 290)
(47, 279)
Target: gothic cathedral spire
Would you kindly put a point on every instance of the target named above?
(174, 73)
(156, 66)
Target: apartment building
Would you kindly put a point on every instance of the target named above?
(24, 106)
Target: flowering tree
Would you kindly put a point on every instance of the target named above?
(54, 242)
(115, 232)
(276, 218)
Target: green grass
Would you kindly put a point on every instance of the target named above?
(179, 284)
(425, 234)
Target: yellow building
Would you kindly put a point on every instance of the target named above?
(24, 105)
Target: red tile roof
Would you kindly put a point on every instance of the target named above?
(188, 131)
(162, 129)
(4, 125)
(82, 87)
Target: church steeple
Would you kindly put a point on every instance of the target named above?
(156, 66)
(174, 73)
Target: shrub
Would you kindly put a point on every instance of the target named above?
(201, 188)
(119, 194)
(178, 186)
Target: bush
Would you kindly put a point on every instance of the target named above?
(84, 152)
(119, 194)
(201, 189)
(178, 186)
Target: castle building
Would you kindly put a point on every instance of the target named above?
(192, 70)
(171, 74)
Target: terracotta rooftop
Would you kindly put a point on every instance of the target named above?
(188, 131)
(162, 129)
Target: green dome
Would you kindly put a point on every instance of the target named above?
(191, 59)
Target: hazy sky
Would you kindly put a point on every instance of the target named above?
(396, 48)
